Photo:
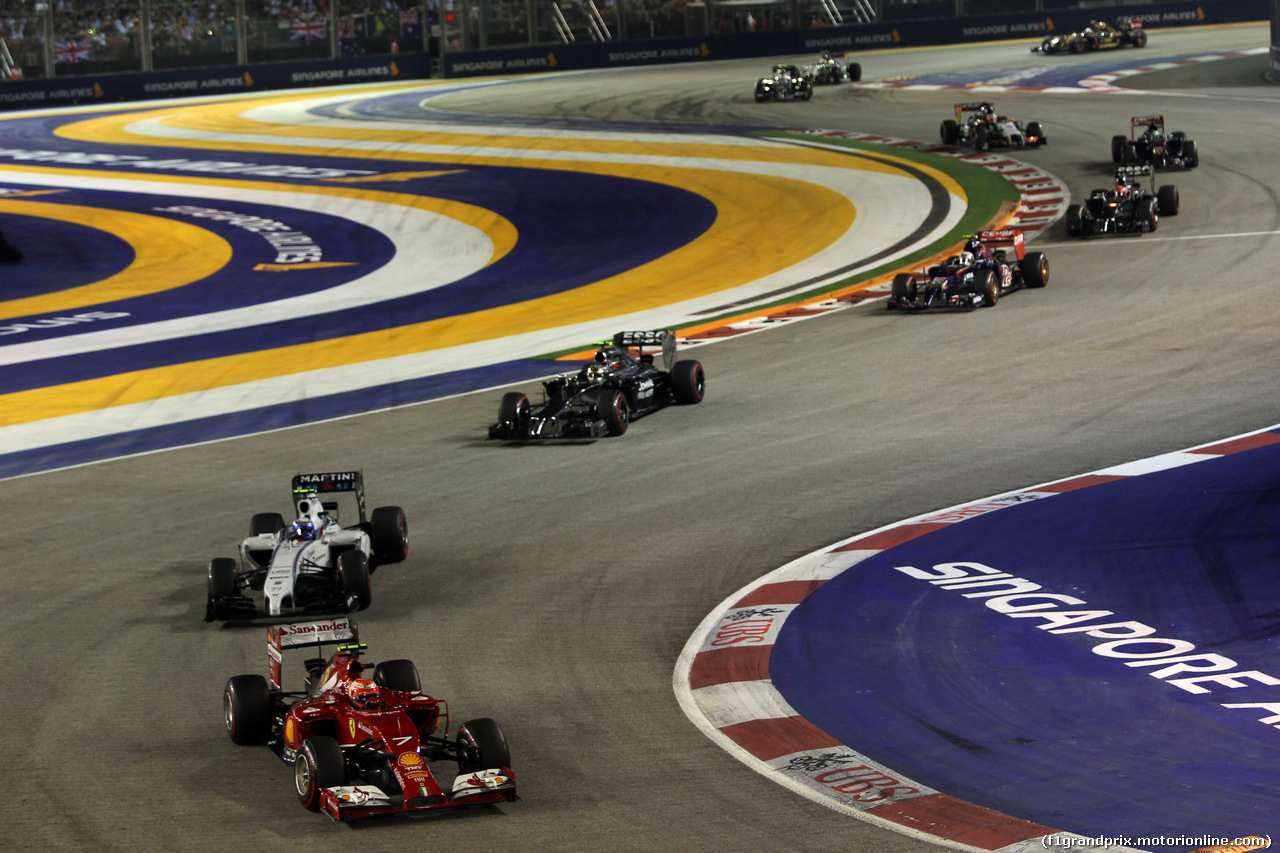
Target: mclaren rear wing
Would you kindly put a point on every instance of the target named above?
(662, 338)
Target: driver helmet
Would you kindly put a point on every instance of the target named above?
(302, 530)
(1153, 132)
(965, 259)
(974, 245)
(364, 694)
(596, 372)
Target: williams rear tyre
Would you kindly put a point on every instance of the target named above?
(266, 523)
(688, 382)
(987, 286)
(400, 675)
(481, 745)
(246, 709)
(319, 765)
(612, 408)
(1035, 269)
(1117, 148)
(1167, 200)
(389, 530)
(353, 571)
(949, 131)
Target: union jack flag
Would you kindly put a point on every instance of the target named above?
(71, 51)
(307, 30)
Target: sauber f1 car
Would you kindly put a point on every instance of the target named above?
(1148, 146)
(831, 68)
(313, 565)
(979, 275)
(606, 394)
(785, 83)
(1099, 35)
(361, 736)
(983, 129)
(1127, 208)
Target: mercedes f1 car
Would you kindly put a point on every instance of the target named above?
(1099, 35)
(1127, 208)
(977, 124)
(313, 565)
(361, 736)
(787, 82)
(979, 275)
(606, 394)
(831, 68)
(1148, 146)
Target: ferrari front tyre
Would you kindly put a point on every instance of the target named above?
(246, 709)
(224, 577)
(400, 675)
(266, 523)
(612, 408)
(389, 530)
(1147, 215)
(1117, 148)
(1074, 219)
(1035, 269)
(855, 72)
(319, 765)
(986, 286)
(353, 571)
(481, 745)
(1167, 200)
(688, 382)
(950, 131)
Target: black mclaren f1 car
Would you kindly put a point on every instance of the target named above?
(606, 394)
(1127, 208)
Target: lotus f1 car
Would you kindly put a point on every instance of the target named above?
(361, 736)
(979, 275)
(1128, 208)
(1148, 146)
(831, 68)
(313, 565)
(786, 83)
(606, 394)
(1099, 35)
(984, 129)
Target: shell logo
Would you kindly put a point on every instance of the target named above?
(410, 759)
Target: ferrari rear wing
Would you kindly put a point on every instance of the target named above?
(317, 635)
(664, 338)
(1006, 236)
(335, 483)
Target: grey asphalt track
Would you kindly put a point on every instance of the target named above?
(552, 587)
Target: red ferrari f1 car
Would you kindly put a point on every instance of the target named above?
(361, 736)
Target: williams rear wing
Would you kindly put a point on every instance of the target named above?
(329, 486)
(315, 635)
(663, 338)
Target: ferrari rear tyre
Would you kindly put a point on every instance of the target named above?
(224, 577)
(266, 523)
(987, 287)
(688, 382)
(1117, 148)
(319, 765)
(246, 709)
(353, 570)
(612, 408)
(1167, 200)
(400, 675)
(389, 530)
(950, 131)
(482, 746)
(855, 72)
(1035, 269)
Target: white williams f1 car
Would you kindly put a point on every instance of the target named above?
(313, 565)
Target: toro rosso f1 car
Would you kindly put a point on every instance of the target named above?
(606, 394)
(361, 736)
(1148, 146)
(313, 565)
(984, 129)
(979, 275)
(785, 83)
(1127, 208)
(1099, 35)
